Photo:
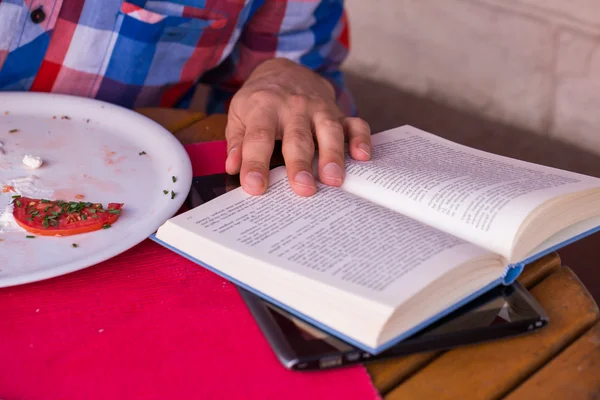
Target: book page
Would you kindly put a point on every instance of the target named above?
(333, 237)
(480, 197)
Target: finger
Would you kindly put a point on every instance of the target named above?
(330, 137)
(298, 150)
(359, 138)
(234, 133)
(257, 147)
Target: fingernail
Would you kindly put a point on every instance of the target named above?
(254, 180)
(305, 179)
(365, 149)
(332, 171)
(233, 149)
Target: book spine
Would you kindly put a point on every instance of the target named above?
(511, 273)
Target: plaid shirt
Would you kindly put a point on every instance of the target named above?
(141, 53)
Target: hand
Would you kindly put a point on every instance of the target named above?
(283, 100)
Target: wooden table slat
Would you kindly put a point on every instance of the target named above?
(208, 129)
(539, 270)
(573, 374)
(490, 370)
(173, 120)
(390, 373)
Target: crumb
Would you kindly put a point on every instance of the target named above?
(172, 195)
(65, 117)
(5, 112)
(7, 188)
(74, 245)
(165, 191)
(30, 237)
(142, 153)
(174, 179)
(87, 121)
(54, 117)
(13, 131)
(32, 162)
(79, 196)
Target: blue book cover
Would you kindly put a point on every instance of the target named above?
(510, 274)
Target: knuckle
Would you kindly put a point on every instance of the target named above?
(298, 101)
(263, 97)
(255, 165)
(330, 125)
(260, 135)
(360, 125)
(302, 145)
(330, 129)
(298, 164)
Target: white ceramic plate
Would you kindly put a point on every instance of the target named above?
(92, 149)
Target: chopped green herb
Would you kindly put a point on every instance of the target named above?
(30, 237)
(172, 195)
(95, 216)
(174, 179)
(142, 153)
(30, 219)
(45, 223)
(106, 226)
(18, 203)
(114, 211)
(165, 191)
(83, 217)
(45, 201)
(13, 131)
(16, 196)
(74, 245)
(92, 210)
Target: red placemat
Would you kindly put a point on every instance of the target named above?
(148, 324)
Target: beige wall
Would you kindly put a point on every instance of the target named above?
(531, 63)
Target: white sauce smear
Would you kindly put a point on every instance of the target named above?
(26, 187)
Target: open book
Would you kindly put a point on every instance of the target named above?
(413, 234)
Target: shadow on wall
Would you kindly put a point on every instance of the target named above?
(385, 107)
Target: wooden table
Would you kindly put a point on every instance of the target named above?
(561, 361)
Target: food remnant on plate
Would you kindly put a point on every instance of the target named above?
(13, 131)
(165, 191)
(60, 218)
(74, 245)
(7, 188)
(32, 162)
(142, 153)
(87, 121)
(79, 196)
(174, 179)
(5, 112)
(172, 195)
(54, 117)
(65, 117)
(30, 237)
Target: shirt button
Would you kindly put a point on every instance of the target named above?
(38, 16)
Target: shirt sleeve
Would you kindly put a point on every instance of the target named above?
(311, 33)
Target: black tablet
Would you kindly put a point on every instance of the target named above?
(502, 312)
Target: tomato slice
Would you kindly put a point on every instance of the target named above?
(62, 218)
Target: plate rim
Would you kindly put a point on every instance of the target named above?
(136, 236)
